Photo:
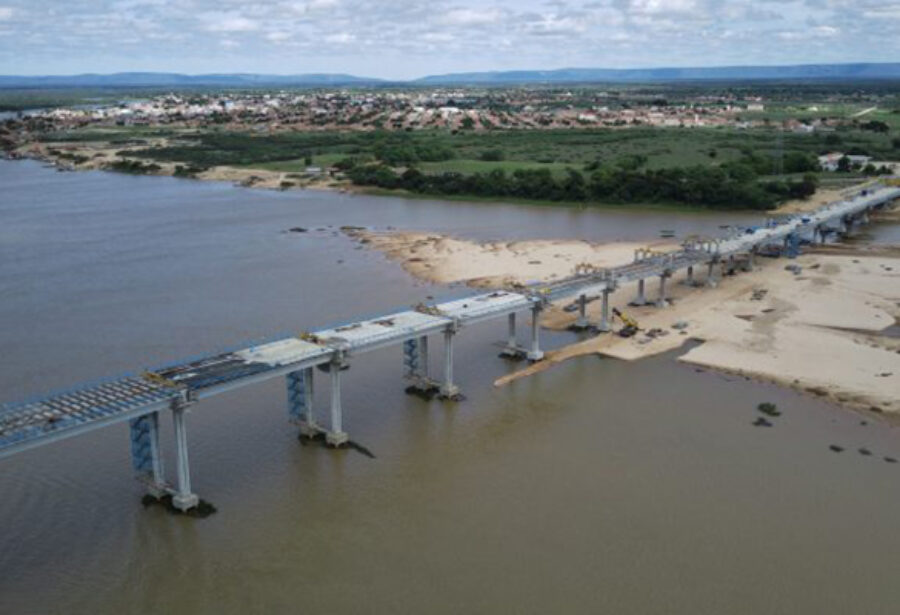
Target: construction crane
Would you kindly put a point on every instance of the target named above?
(629, 325)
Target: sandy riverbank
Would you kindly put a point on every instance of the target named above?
(819, 331)
(445, 260)
(98, 156)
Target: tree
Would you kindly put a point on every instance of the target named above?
(844, 165)
(799, 162)
(876, 126)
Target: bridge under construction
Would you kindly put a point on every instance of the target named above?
(142, 398)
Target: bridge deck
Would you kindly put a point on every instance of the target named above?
(31, 423)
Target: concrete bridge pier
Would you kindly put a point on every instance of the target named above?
(512, 349)
(183, 498)
(336, 436)
(750, 260)
(604, 327)
(535, 354)
(641, 298)
(415, 363)
(792, 245)
(711, 280)
(145, 456)
(582, 322)
(300, 402)
(689, 280)
(448, 389)
(662, 301)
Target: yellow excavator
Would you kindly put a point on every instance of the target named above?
(629, 325)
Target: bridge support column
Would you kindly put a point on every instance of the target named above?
(582, 322)
(641, 299)
(448, 389)
(751, 260)
(415, 361)
(512, 349)
(711, 275)
(336, 436)
(145, 457)
(604, 327)
(662, 302)
(535, 354)
(183, 499)
(300, 401)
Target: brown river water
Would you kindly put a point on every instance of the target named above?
(595, 487)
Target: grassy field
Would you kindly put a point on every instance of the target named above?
(296, 165)
(468, 167)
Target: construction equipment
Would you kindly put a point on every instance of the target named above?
(629, 325)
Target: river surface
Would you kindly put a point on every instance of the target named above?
(596, 487)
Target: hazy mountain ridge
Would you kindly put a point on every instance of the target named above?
(583, 75)
(858, 71)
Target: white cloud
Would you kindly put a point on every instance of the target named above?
(891, 11)
(227, 22)
(663, 6)
(340, 38)
(415, 37)
(438, 37)
(471, 17)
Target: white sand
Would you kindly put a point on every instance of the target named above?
(818, 332)
(445, 260)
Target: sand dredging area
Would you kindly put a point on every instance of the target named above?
(824, 323)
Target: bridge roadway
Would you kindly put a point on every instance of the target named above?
(141, 398)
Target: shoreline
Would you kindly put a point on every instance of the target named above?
(99, 155)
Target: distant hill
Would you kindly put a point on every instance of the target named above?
(869, 71)
(178, 80)
(651, 75)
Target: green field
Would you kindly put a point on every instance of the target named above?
(468, 167)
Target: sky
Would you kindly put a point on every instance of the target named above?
(402, 39)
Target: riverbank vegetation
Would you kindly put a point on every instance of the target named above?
(720, 167)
